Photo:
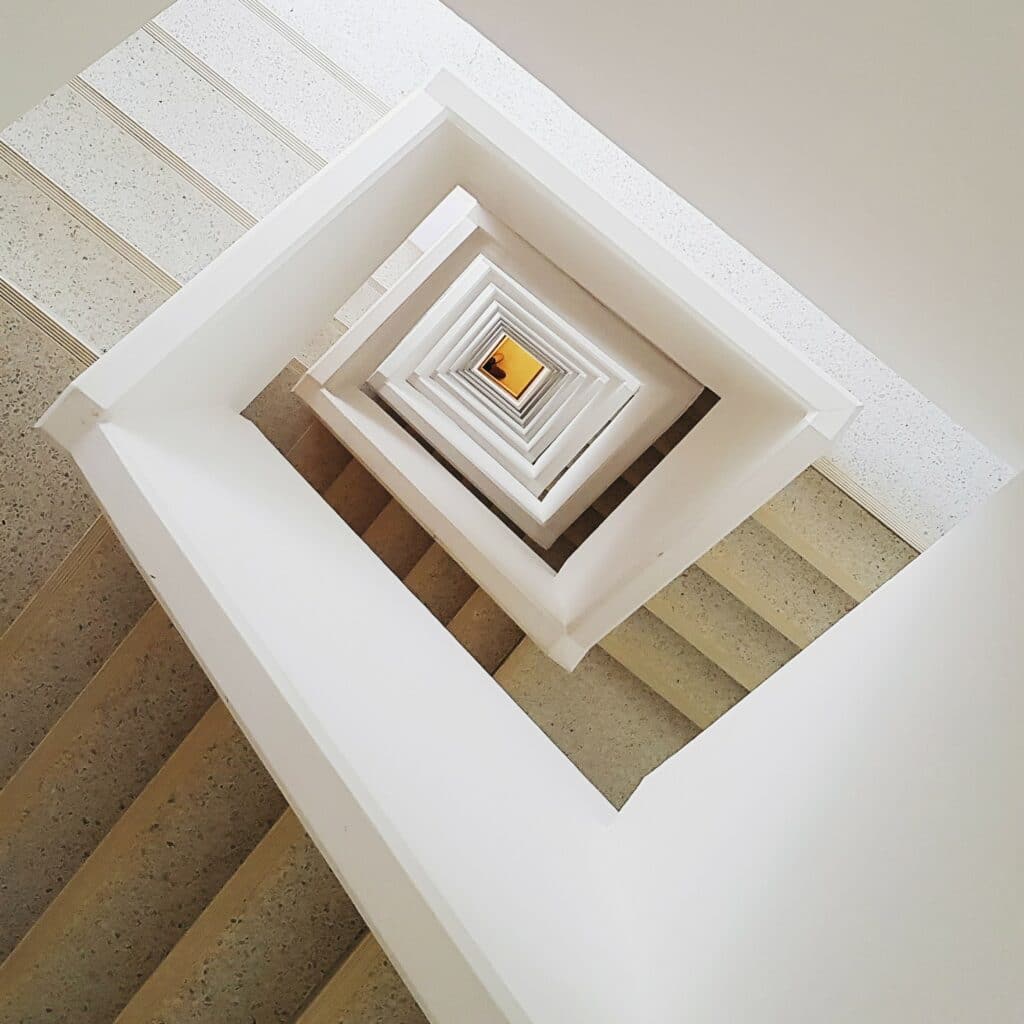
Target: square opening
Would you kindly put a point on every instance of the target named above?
(511, 367)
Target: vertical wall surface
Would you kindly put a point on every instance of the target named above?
(846, 845)
(45, 42)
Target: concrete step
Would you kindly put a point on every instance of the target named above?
(672, 668)
(267, 940)
(722, 627)
(397, 539)
(92, 764)
(485, 631)
(62, 638)
(438, 574)
(776, 583)
(356, 496)
(835, 534)
(67, 270)
(608, 723)
(158, 867)
(46, 507)
(366, 989)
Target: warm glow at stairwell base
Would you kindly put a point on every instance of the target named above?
(511, 367)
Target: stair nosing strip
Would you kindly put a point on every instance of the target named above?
(886, 515)
(163, 152)
(235, 95)
(317, 56)
(83, 353)
(120, 245)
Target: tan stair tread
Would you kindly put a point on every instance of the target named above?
(661, 659)
(609, 724)
(397, 539)
(267, 940)
(722, 627)
(280, 414)
(485, 630)
(366, 989)
(839, 537)
(774, 581)
(92, 764)
(318, 456)
(440, 583)
(357, 496)
(160, 864)
(61, 638)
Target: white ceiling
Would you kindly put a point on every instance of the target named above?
(870, 153)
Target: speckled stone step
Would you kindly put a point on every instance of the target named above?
(366, 989)
(157, 868)
(776, 583)
(660, 658)
(267, 940)
(92, 764)
(397, 539)
(485, 630)
(318, 456)
(59, 641)
(357, 496)
(722, 627)
(438, 575)
(839, 537)
(608, 723)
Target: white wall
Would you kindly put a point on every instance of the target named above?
(846, 844)
(43, 43)
(870, 153)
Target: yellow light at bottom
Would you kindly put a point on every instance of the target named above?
(511, 367)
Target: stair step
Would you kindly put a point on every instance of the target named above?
(440, 583)
(282, 417)
(67, 270)
(92, 764)
(608, 723)
(62, 637)
(46, 507)
(397, 539)
(267, 940)
(485, 631)
(357, 496)
(366, 989)
(158, 867)
(722, 627)
(319, 457)
(87, 155)
(835, 534)
(672, 668)
(776, 583)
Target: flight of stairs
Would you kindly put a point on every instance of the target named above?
(150, 868)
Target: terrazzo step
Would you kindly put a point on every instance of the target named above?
(90, 766)
(357, 496)
(46, 508)
(486, 632)
(607, 722)
(147, 881)
(661, 659)
(366, 989)
(776, 583)
(722, 627)
(67, 270)
(267, 940)
(835, 534)
(438, 575)
(63, 636)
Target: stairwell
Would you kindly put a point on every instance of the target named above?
(150, 868)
